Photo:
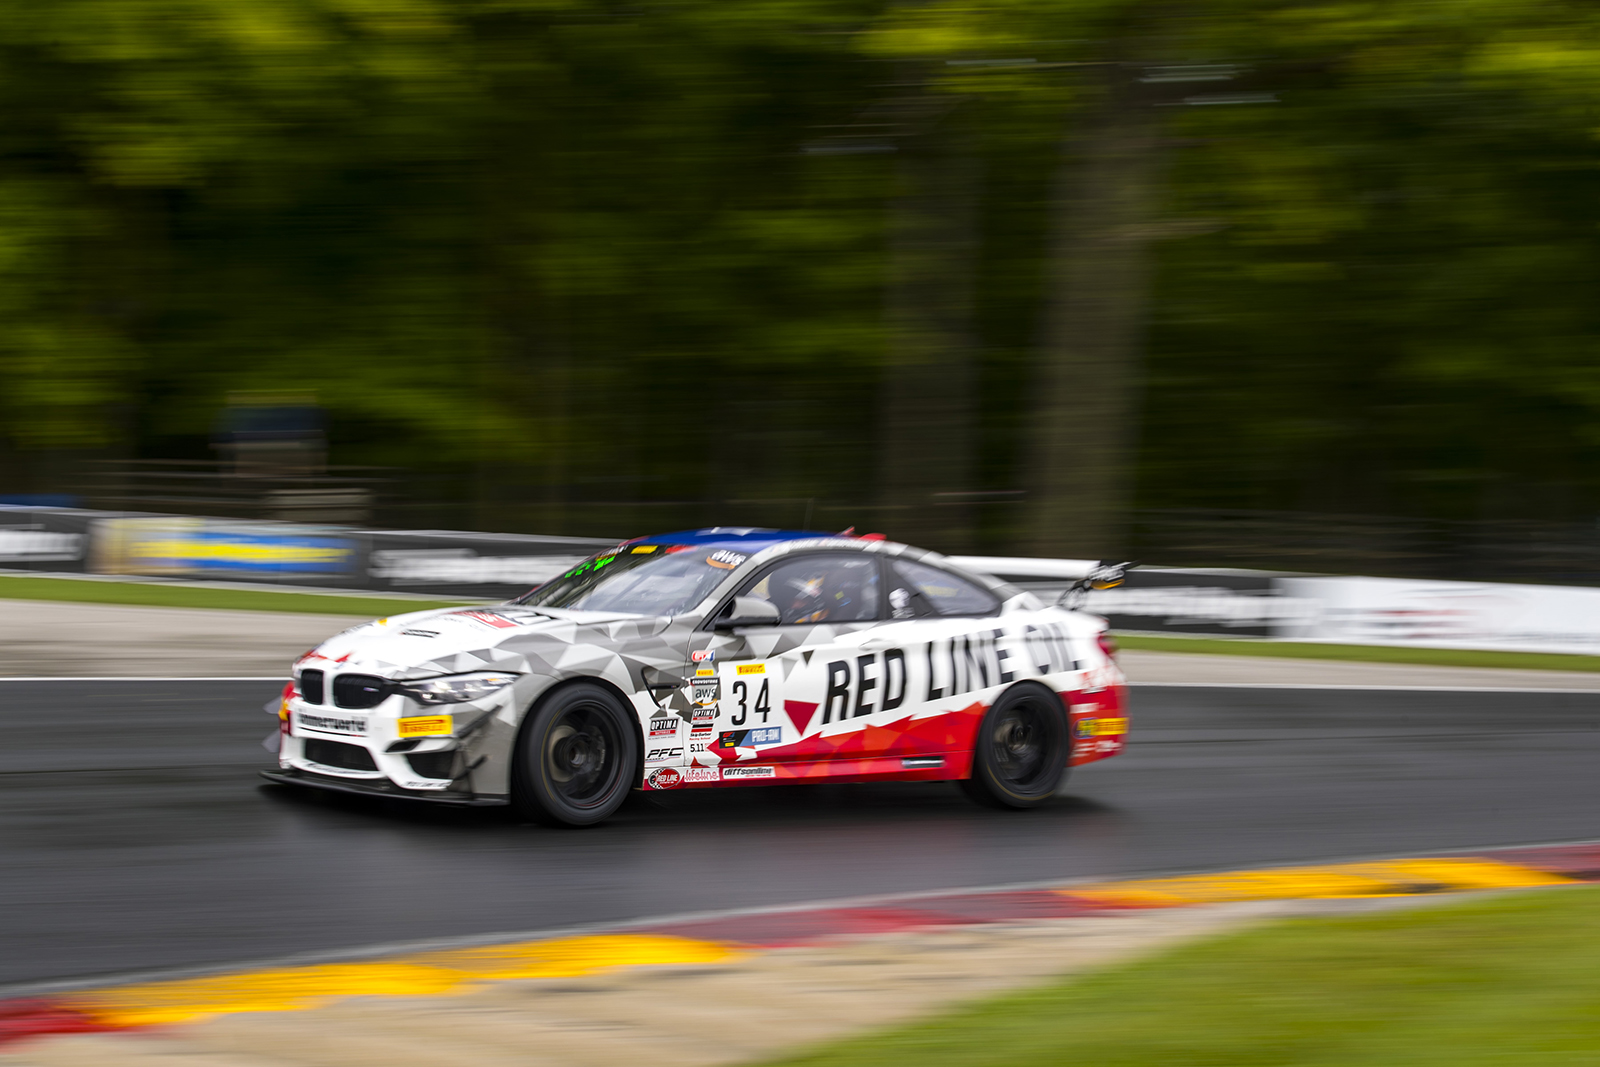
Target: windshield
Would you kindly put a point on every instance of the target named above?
(639, 579)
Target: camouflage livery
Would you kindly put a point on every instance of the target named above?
(890, 698)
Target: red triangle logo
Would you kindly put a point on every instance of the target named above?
(799, 713)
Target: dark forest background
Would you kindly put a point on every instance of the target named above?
(1056, 277)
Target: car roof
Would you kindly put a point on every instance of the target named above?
(747, 538)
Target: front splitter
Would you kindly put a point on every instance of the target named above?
(385, 789)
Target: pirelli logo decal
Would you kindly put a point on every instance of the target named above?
(752, 668)
(425, 726)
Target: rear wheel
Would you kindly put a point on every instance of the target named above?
(576, 759)
(1020, 755)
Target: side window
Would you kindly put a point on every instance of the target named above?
(821, 588)
(928, 590)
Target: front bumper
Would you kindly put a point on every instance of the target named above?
(380, 787)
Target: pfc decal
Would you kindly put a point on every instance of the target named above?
(329, 724)
(701, 774)
(752, 668)
(726, 560)
(769, 735)
(749, 772)
(704, 655)
(425, 726)
(659, 755)
(664, 778)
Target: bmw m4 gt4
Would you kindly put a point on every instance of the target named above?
(708, 659)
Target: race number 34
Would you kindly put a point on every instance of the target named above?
(741, 695)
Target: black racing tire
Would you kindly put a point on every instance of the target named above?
(577, 757)
(1020, 754)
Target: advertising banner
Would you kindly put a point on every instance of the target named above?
(1230, 603)
(495, 566)
(178, 546)
(1485, 615)
(43, 539)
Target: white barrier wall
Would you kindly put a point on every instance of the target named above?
(1486, 615)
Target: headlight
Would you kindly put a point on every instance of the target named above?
(455, 688)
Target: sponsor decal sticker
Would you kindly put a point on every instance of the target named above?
(1101, 727)
(658, 755)
(725, 560)
(704, 713)
(751, 668)
(664, 778)
(663, 727)
(705, 672)
(701, 774)
(708, 692)
(420, 633)
(488, 618)
(425, 726)
(643, 550)
(748, 772)
(704, 655)
(766, 735)
(332, 724)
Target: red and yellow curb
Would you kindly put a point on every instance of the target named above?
(712, 942)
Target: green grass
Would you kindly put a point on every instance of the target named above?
(161, 594)
(1512, 980)
(1440, 657)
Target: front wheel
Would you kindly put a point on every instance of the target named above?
(1020, 754)
(576, 758)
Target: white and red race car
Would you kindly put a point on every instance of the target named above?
(705, 659)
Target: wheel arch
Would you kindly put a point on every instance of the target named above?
(556, 686)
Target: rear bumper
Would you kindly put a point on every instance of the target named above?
(381, 788)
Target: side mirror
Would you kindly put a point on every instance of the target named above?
(747, 611)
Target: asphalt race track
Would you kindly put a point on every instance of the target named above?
(136, 835)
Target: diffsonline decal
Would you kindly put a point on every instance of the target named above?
(748, 772)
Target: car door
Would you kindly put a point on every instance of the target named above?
(756, 680)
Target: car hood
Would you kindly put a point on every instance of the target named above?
(455, 640)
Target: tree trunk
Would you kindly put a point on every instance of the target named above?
(1089, 377)
(926, 465)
